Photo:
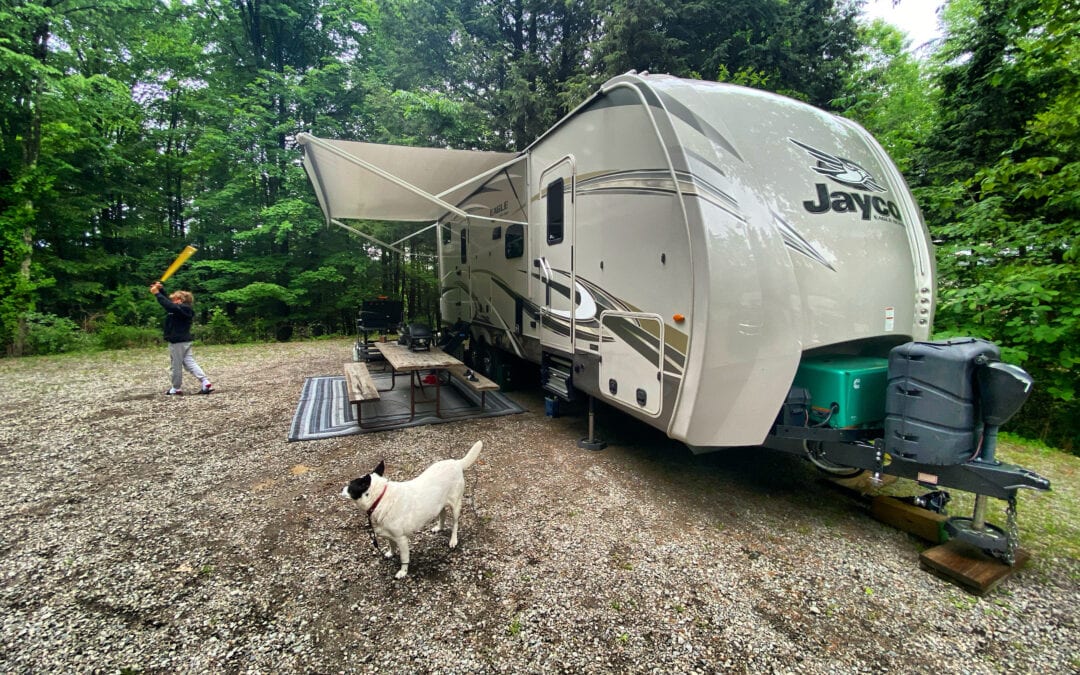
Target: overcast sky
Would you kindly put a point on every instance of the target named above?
(917, 18)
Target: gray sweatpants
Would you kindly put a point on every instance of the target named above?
(181, 358)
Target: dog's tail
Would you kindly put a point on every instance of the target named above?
(474, 452)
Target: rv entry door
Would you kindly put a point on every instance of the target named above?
(554, 266)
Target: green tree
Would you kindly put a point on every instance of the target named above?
(890, 92)
(802, 48)
(1002, 187)
(67, 124)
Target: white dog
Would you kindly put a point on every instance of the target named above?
(397, 509)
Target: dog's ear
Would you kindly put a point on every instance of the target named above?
(379, 470)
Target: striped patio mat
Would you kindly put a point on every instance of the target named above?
(324, 410)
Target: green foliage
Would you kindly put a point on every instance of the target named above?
(219, 329)
(50, 334)
(116, 336)
(800, 48)
(746, 77)
(1006, 186)
(890, 93)
(256, 294)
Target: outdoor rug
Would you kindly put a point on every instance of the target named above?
(324, 410)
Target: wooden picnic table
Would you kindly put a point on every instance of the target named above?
(402, 359)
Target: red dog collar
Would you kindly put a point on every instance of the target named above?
(378, 499)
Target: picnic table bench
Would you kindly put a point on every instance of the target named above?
(478, 383)
(360, 385)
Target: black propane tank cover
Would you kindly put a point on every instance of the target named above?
(931, 407)
(1003, 389)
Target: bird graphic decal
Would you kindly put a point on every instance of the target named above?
(841, 170)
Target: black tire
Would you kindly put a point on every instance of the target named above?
(485, 359)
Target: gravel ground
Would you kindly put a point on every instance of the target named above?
(161, 535)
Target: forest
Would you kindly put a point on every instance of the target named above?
(133, 128)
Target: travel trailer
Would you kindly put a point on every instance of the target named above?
(730, 266)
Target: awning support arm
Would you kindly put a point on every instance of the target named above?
(410, 236)
(392, 247)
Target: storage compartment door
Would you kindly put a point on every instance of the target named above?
(631, 360)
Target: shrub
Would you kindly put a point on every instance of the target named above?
(51, 334)
(127, 337)
(219, 329)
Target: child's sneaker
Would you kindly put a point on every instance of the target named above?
(174, 392)
(207, 388)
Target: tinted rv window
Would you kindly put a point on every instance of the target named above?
(555, 211)
(515, 241)
(464, 246)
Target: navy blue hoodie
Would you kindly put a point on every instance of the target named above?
(177, 320)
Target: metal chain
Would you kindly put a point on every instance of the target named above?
(1012, 531)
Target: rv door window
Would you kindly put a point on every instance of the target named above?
(515, 241)
(555, 211)
(464, 246)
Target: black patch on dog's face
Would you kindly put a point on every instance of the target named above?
(358, 486)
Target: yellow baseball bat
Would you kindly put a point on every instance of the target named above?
(180, 260)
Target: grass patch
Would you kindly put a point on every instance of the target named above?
(514, 629)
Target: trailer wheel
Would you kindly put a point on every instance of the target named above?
(484, 358)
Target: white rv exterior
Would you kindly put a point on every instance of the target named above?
(738, 229)
(682, 250)
(674, 248)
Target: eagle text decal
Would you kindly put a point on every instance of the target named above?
(851, 175)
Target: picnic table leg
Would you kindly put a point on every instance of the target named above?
(412, 396)
(393, 377)
(438, 395)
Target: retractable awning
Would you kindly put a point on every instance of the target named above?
(368, 181)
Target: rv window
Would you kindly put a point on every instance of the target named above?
(496, 233)
(555, 211)
(464, 246)
(515, 241)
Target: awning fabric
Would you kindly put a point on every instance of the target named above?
(369, 181)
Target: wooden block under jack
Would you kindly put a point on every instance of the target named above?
(921, 522)
(969, 566)
(864, 482)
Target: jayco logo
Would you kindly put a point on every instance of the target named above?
(848, 174)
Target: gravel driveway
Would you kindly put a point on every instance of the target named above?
(145, 534)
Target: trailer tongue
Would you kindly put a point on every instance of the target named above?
(931, 413)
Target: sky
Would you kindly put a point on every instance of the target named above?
(917, 18)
